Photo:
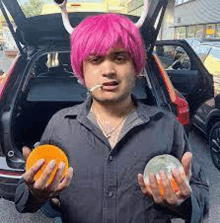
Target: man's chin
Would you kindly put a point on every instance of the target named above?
(109, 100)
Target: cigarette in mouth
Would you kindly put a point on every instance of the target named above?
(95, 87)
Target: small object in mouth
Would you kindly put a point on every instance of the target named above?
(95, 87)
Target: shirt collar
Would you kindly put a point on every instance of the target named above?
(145, 112)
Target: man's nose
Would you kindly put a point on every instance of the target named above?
(108, 68)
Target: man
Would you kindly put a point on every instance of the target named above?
(111, 137)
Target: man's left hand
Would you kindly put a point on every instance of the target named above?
(170, 198)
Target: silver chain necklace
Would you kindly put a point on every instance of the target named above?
(109, 134)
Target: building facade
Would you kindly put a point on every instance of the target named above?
(196, 18)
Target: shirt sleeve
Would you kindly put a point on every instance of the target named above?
(24, 200)
(196, 207)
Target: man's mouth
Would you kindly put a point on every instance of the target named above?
(110, 83)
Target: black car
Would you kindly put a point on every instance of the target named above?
(41, 82)
(207, 117)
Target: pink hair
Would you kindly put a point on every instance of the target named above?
(97, 34)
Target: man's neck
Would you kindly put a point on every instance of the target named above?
(115, 110)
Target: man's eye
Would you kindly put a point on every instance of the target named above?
(120, 59)
(95, 60)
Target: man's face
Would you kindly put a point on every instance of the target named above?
(115, 72)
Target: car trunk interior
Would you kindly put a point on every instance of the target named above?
(49, 90)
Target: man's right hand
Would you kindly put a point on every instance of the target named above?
(39, 188)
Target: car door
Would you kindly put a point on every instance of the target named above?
(186, 71)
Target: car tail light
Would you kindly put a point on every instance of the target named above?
(182, 110)
(181, 105)
(5, 79)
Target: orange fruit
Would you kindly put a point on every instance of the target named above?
(48, 153)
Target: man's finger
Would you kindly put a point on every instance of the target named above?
(56, 202)
(28, 176)
(182, 182)
(57, 177)
(66, 181)
(144, 185)
(42, 180)
(26, 151)
(155, 189)
(186, 162)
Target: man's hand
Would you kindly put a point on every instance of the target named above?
(169, 198)
(39, 188)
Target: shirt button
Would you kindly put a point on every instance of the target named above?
(110, 194)
(110, 158)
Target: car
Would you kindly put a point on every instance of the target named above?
(40, 82)
(207, 117)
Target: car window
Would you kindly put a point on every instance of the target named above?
(201, 51)
(189, 41)
(173, 57)
(195, 42)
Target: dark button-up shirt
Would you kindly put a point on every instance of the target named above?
(104, 187)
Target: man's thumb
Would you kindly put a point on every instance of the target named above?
(26, 151)
(186, 162)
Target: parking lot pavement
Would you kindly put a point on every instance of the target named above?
(9, 214)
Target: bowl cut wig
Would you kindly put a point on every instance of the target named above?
(97, 34)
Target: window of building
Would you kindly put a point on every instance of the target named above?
(191, 31)
(180, 33)
(195, 31)
(210, 30)
(218, 30)
(199, 31)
